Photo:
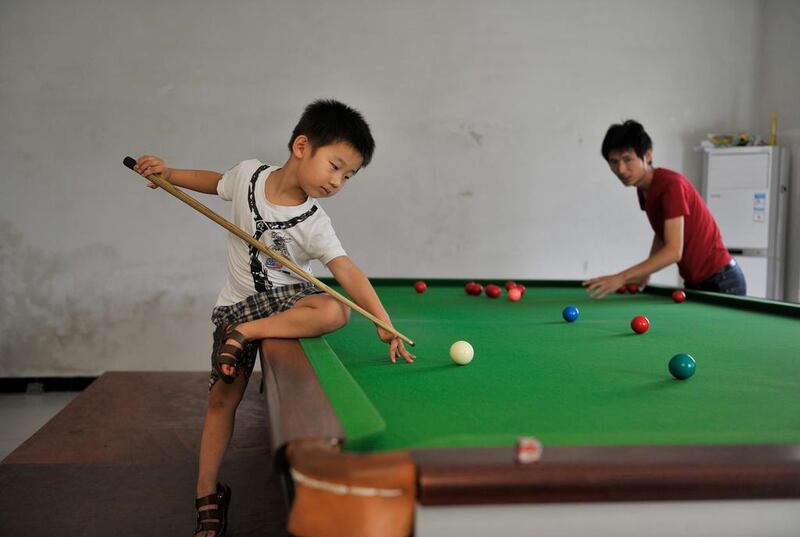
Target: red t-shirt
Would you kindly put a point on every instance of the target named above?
(672, 195)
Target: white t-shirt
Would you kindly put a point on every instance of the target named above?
(300, 233)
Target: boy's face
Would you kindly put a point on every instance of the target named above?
(322, 173)
(628, 167)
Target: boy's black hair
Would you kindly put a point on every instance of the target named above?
(627, 135)
(327, 121)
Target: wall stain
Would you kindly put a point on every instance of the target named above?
(475, 135)
(77, 313)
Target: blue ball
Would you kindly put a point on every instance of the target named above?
(570, 314)
(682, 366)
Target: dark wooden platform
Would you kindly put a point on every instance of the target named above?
(121, 459)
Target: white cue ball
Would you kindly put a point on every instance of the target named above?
(461, 352)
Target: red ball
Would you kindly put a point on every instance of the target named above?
(521, 288)
(420, 286)
(678, 296)
(510, 285)
(476, 289)
(468, 287)
(640, 324)
(492, 291)
(632, 288)
(622, 290)
(514, 294)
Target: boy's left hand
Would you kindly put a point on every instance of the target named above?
(600, 287)
(395, 345)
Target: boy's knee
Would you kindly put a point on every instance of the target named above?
(345, 315)
(336, 315)
(221, 400)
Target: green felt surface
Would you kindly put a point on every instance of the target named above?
(363, 422)
(592, 382)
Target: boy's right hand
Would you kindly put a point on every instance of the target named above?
(395, 346)
(148, 165)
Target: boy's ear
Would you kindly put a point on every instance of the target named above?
(300, 146)
(648, 157)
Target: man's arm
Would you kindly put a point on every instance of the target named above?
(198, 180)
(657, 244)
(357, 285)
(661, 255)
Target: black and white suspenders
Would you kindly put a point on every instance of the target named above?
(257, 269)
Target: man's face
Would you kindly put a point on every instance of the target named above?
(325, 171)
(628, 167)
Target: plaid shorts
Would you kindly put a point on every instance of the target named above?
(254, 307)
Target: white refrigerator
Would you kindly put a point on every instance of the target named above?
(747, 191)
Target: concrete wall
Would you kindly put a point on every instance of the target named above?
(488, 118)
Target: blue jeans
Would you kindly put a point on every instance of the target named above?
(729, 280)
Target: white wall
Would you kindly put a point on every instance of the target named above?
(779, 92)
(488, 118)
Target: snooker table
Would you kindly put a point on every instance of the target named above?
(428, 448)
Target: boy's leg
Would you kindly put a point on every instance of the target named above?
(311, 316)
(223, 400)
(315, 316)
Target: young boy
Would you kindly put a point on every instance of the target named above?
(261, 298)
(685, 231)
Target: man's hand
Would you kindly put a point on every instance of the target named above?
(395, 345)
(642, 283)
(148, 165)
(600, 287)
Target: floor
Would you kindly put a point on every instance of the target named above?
(120, 458)
(22, 414)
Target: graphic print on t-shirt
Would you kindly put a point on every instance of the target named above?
(279, 244)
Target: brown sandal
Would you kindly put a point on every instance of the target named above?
(215, 520)
(227, 354)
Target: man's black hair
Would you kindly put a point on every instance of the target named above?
(627, 135)
(327, 121)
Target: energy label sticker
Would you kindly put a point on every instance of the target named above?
(759, 207)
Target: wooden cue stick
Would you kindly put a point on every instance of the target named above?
(130, 162)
